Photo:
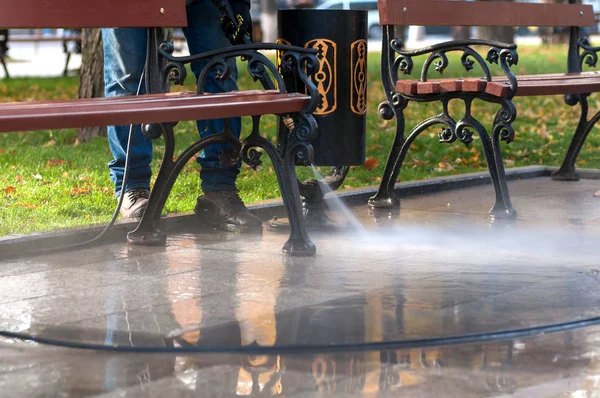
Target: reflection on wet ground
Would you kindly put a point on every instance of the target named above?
(436, 269)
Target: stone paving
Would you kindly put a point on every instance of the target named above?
(439, 268)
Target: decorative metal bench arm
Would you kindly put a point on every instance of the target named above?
(499, 53)
(294, 60)
(589, 53)
(395, 60)
(291, 75)
(294, 64)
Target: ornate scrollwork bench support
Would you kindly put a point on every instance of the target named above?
(395, 59)
(580, 53)
(296, 63)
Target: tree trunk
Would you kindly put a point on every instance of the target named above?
(461, 32)
(91, 80)
(504, 34)
(268, 20)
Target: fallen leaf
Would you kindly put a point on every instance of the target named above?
(55, 162)
(2, 151)
(543, 131)
(19, 178)
(26, 205)
(10, 190)
(49, 143)
(80, 191)
(444, 166)
(371, 163)
(415, 162)
(37, 176)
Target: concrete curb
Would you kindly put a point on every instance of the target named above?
(19, 245)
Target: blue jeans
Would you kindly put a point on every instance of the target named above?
(124, 59)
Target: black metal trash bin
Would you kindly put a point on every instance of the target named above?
(340, 38)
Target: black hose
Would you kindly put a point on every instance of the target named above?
(318, 348)
(86, 243)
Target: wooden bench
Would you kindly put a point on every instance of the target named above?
(159, 111)
(4, 50)
(66, 39)
(575, 85)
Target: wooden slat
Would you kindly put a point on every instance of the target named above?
(40, 38)
(528, 85)
(474, 85)
(30, 14)
(413, 87)
(482, 13)
(558, 87)
(450, 85)
(407, 86)
(497, 89)
(144, 109)
(428, 87)
(556, 83)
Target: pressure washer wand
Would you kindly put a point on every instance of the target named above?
(231, 25)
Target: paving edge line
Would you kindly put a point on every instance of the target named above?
(22, 245)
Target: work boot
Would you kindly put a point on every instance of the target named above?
(226, 209)
(134, 203)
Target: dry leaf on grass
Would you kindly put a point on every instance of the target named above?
(10, 190)
(55, 162)
(371, 163)
(80, 191)
(26, 205)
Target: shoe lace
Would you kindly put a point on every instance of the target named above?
(137, 193)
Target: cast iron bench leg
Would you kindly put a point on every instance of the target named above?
(462, 130)
(66, 70)
(567, 171)
(385, 197)
(6, 74)
(148, 231)
(284, 162)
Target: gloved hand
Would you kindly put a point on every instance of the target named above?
(243, 20)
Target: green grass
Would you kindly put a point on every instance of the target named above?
(49, 182)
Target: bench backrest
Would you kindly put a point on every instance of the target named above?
(482, 13)
(31, 14)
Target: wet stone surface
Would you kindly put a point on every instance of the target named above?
(438, 268)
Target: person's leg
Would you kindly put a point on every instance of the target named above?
(204, 33)
(124, 59)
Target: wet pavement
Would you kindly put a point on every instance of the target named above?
(437, 269)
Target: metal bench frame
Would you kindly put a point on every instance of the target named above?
(294, 95)
(501, 91)
(299, 129)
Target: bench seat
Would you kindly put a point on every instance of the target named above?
(528, 85)
(156, 108)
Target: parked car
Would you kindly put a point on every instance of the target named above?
(374, 30)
